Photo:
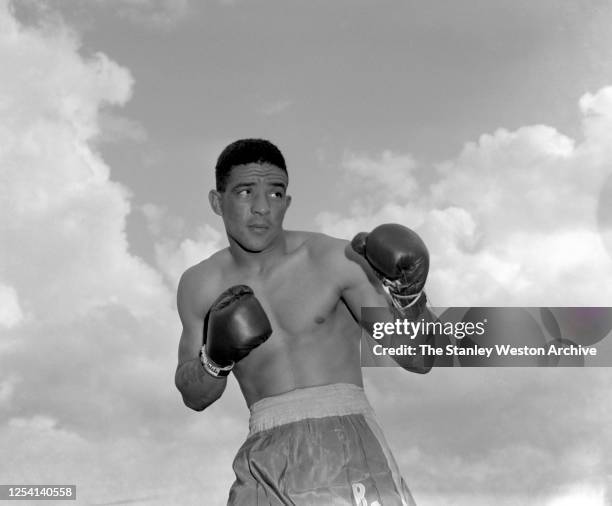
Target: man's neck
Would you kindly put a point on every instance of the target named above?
(259, 261)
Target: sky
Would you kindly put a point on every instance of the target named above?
(483, 125)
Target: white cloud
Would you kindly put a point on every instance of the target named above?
(392, 173)
(115, 127)
(96, 315)
(160, 222)
(583, 494)
(605, 229)
(520, 435)
(510, 220)
(174, 258)
(64, 216)
(90, 333)
(597, 111)
(174, 253)
(10, 310)
(90, 376)
(88, 348)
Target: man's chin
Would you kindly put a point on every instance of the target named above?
(257, 244)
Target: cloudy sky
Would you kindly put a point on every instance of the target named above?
(484, 125)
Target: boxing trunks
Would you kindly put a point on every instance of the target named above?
(317, 446)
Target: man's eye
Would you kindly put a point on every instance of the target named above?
(278, 195)
(244, 193)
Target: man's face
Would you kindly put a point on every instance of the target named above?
(253, 205)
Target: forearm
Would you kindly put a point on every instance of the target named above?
(198, 388)
(419, 360)
(399, 259)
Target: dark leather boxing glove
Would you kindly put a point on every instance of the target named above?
(400, 258)
(236, 324)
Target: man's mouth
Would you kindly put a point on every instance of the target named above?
(259, 226)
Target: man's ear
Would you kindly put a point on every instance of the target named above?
(214, 197)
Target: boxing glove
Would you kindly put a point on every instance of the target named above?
(400, 259)
(236, 324)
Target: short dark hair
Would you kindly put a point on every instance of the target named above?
(245, 151)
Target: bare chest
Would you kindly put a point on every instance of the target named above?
(299, 297)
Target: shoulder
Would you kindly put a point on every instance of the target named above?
(318, 245)
(204, 270)
(333, 256)
(200, 282)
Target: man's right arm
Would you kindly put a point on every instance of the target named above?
(198, 388)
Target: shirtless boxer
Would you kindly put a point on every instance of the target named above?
(281, 310)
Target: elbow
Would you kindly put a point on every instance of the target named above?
(194, 406)
(188, 400)
(191, 402)
(194, 402)
(420, 366)
(198, 395)
(419, 369)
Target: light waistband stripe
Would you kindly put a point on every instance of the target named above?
(313, 402)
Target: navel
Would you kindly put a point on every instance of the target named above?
(319, 319)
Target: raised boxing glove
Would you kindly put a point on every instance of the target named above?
(401, 260)
(236, 324)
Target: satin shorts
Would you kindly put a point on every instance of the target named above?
(317, 446)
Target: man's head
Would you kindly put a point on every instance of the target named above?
(251, 194)
(243, 152)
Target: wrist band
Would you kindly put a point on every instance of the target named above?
(413, 308)
(211, 368)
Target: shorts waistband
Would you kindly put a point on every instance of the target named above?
(312, 402)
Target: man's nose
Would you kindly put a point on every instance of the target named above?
(260, 204)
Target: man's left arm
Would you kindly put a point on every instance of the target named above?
(389, 268)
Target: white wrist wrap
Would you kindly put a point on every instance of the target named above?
(214, 369)
(409, 306)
